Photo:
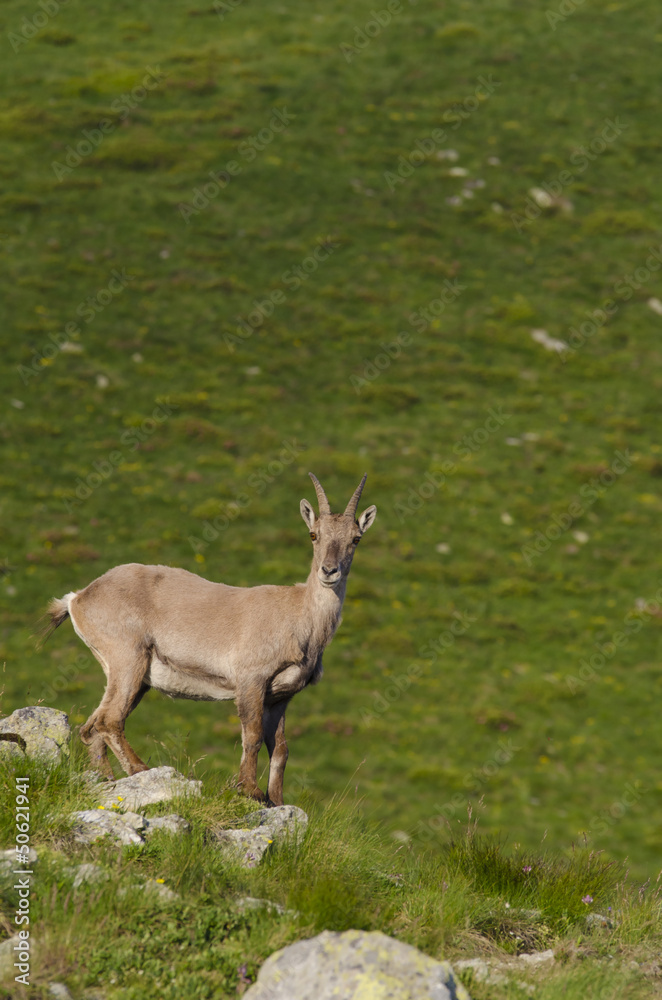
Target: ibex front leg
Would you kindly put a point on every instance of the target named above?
(274, 737)
(250, 706)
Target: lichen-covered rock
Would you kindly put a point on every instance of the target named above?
(92, 824)
(266, 826)
(159, 784)
(86, 874)
(38, 732)
(281, 821)
(172, 823)
(354, 965)
(247, 847)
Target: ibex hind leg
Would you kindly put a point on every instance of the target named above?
(104, 730)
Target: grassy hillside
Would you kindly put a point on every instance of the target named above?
(118, 940)
(195, 315)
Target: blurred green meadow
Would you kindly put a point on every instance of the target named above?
(243, 241)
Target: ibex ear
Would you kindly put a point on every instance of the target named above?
(367, 517)
(308, 514)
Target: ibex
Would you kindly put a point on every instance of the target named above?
(168, 629)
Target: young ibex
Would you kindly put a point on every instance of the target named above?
(164, 628)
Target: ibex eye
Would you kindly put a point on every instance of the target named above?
(313, 536)
(356, 540)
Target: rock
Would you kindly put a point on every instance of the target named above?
(9, 861)
(86, 874)
(59, 991)
(354, 965)
(597, 920)
(481, 970)
(151, 885)
(159, 784)
(248, 846)
(7, 957)
(92, 824)
(281, 821)
(536, 958)
(172, 823)
(43, 733)
(251, 903)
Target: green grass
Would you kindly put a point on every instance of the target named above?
(475, 899)
(417, 731)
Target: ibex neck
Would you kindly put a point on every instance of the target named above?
(325, 603)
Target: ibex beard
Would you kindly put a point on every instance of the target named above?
(165, 628)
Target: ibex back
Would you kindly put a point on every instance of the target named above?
(168, 629)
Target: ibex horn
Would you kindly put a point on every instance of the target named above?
(356, 496)
(322, 502)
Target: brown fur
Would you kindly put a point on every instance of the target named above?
(161, 627)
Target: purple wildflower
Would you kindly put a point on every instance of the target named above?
(526, 869)
(587, 899)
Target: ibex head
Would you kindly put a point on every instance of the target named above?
(335, 536)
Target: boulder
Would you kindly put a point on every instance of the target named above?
(172, 823)
(265, 827)
(7, 957)
(86, 874)
(42, 733)
(354, 965)
(92, 824)
(159, 784)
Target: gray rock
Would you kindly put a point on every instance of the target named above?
(86, 874)
(597, 920)
(159, 784)
(252, 903)
(59, 991)
(39, 732)
(151, 885)
(248, 846)
(481, 970)
(281, 821)
(92, 824)
(354, 965)
(10, 863)
(7, 957)
(172, 823)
